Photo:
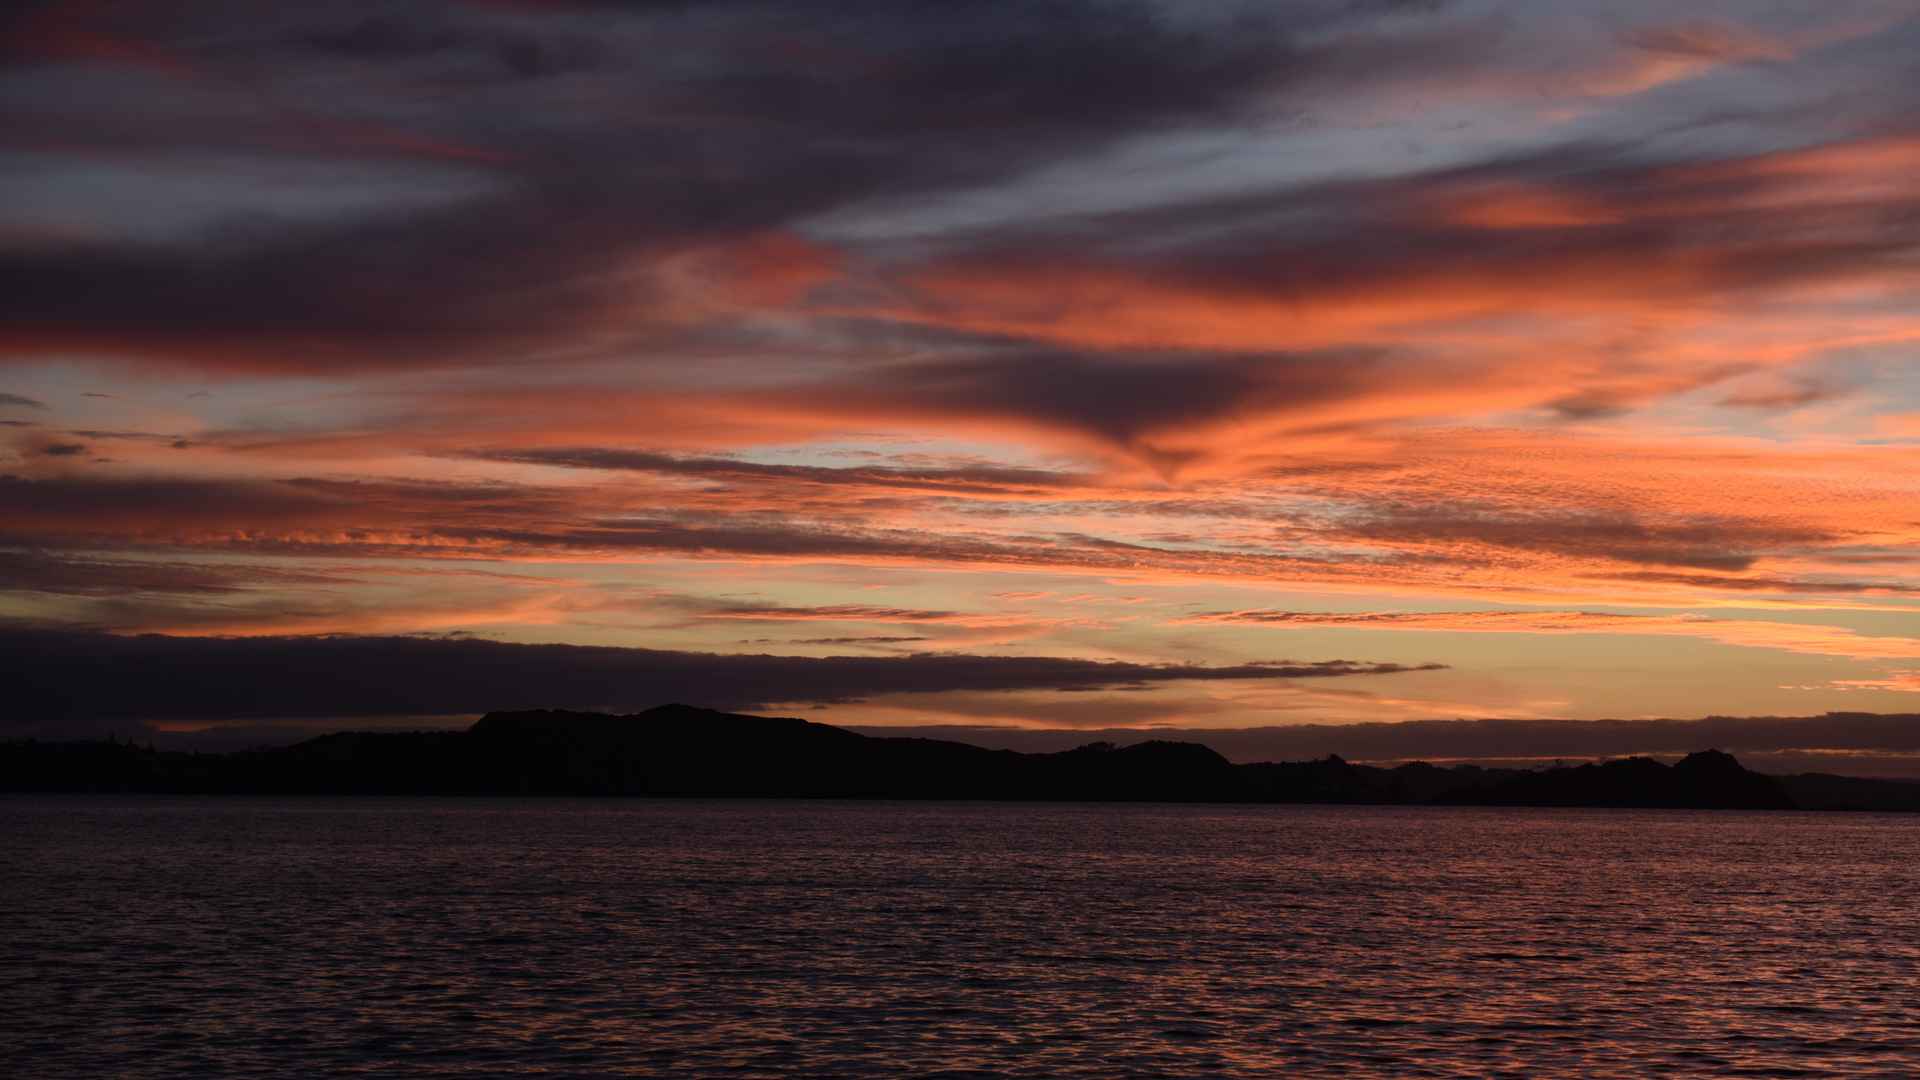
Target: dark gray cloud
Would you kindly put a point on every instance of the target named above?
(1794, 395)
(375, 516)
(824, 612)
(20, 402)
(1120, 396)
(870, 639)
(67, 681)
(972, 480)
(1761, 584)
(604, 145)
(476, 50)
(68, 510)
(1704, 543)
(81, 575)
(1736, 221)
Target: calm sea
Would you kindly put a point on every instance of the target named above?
(201, 937)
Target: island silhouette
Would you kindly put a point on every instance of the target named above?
(685, 751)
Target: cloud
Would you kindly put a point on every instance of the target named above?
(1002, 481)
(1788, 396)
(1122, 397)
(177, 510)
(1701, 541)
(1356, 529)
(556, 214)
(870, 639)
(1806, 638)
(1904, 681)
(1765, 584)
(68, 575)
(1409, 301)
(71, 678)
(1582, 280)
(854, 613)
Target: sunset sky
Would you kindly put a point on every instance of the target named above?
(1055, 365)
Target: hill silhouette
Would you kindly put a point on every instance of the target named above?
(680, 750)
(1708, 778)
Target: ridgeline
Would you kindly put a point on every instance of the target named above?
(679, 750)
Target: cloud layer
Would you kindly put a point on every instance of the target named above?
(69, 683)
(1573, 350)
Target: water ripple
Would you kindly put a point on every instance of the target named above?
(156, 937)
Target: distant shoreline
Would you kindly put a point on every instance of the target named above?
(678, 751)
(7, 794)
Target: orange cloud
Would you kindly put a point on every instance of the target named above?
(1790, 637)
(1906, 682)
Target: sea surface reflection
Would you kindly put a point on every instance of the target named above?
(154, 937)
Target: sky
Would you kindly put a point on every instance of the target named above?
(1051, 366)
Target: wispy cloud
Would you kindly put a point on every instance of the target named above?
(1751, 633)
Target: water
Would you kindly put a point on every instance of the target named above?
(275, 937)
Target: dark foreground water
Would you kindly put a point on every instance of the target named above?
(178, 937)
